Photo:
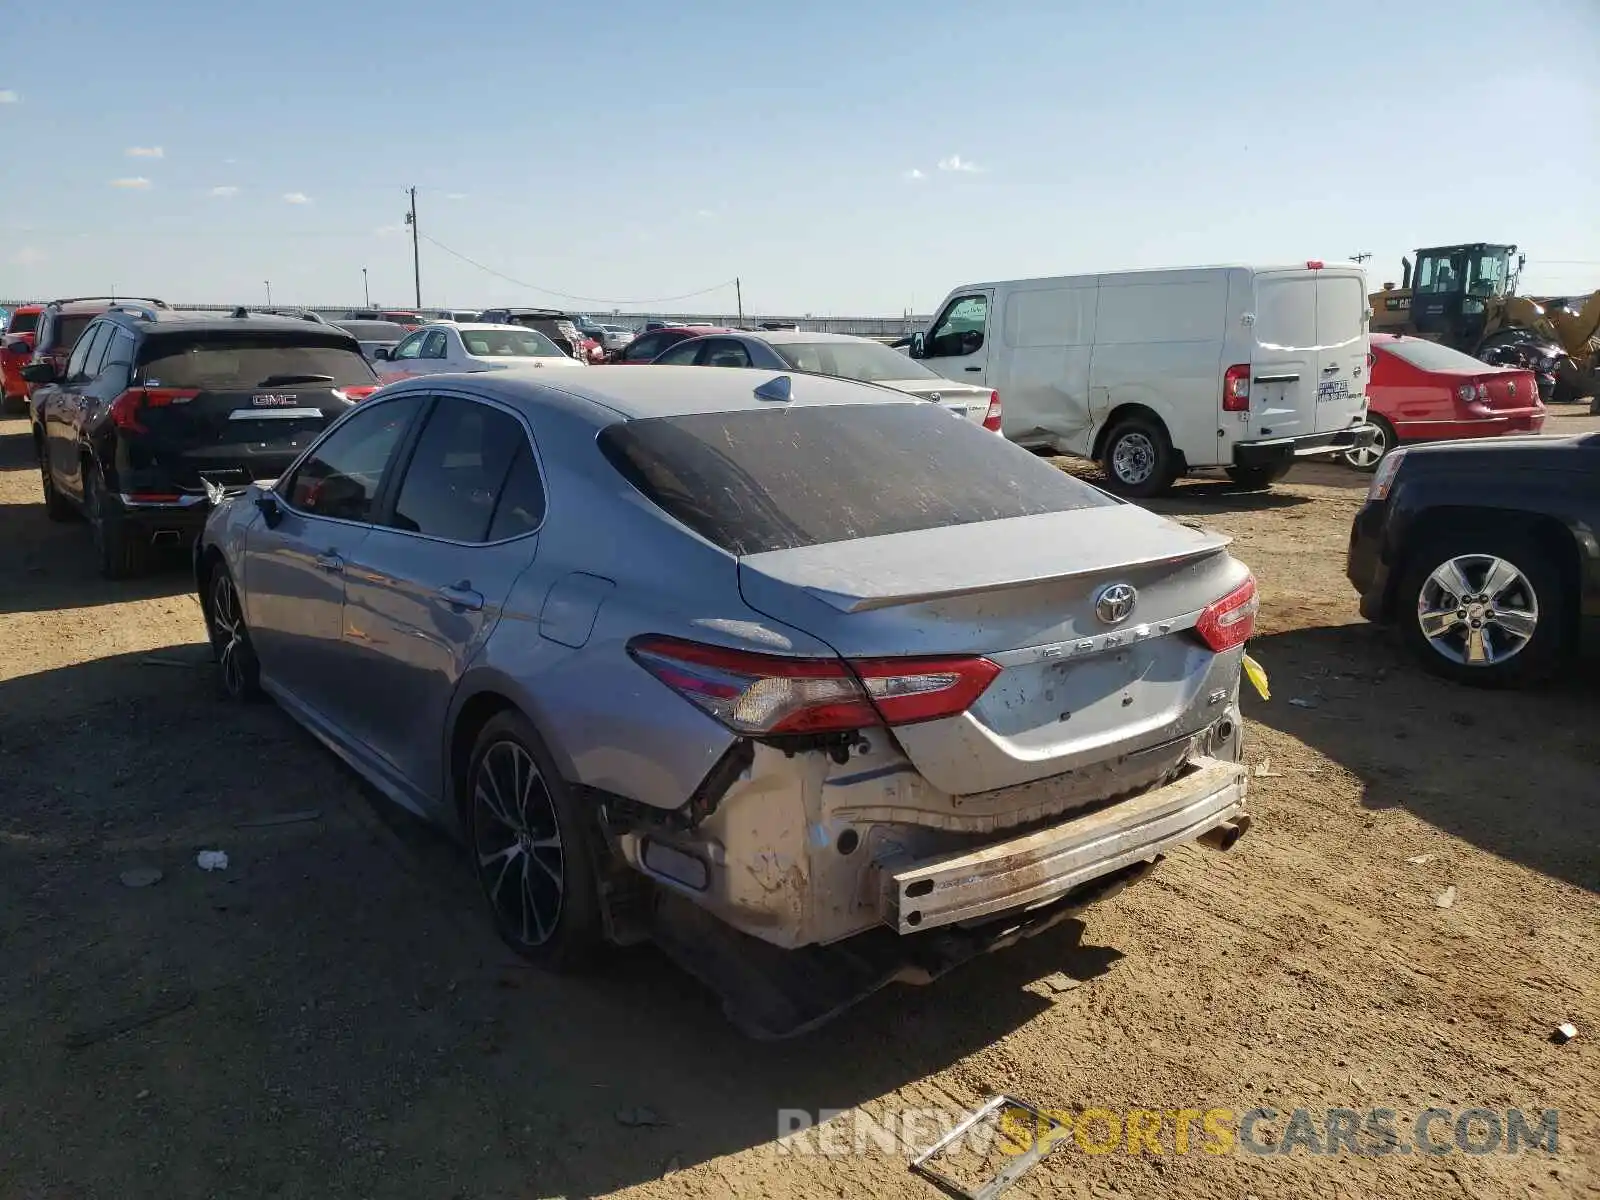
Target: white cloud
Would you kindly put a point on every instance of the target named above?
(7, 96)
(296, 198)
(145, 152)
(956, 163)
(914, 173)
(28, 256)
(225, 190)
(389, 230)
(455, 196)
(706, 213)
(131, 182)
(229, 161)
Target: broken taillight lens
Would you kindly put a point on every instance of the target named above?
(769, 694)
(1230, 621)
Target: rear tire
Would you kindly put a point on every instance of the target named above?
(533, 846)
(118, 552)
(56, 506)
(1256, 479)
(1492, 576)
(1364, 459)
(1138, 458)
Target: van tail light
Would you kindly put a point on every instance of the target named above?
(991, 419)
(125, 409)
(356, 394)
(1236, 388)
(1230, 621)
(1313, 264)
(769, 694)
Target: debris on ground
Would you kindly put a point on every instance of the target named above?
(212, 860)
(167, 1006)
(1445, 898)
(288, 818)
(638, 1117)
(1564, 1033)
(1257, 675)
(1061, 982)
(1044, 1132)
(1302, 702)
(138, 877)
(1263, 770)
(1417, 860)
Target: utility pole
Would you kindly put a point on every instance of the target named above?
(366, 296)
(1362, 257)
(738, 293)
(268, 282)
(416, 257)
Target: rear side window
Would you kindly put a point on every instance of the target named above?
(456, 473)
(520, 508)
(777, 479)
(23, 323)
(241, 362)
(67, 330)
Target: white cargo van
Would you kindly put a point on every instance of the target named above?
(1155, 373)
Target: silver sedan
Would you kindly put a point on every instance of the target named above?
(755, 666)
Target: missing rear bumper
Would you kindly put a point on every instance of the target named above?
(1025, 872)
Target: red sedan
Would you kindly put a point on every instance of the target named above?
(1421, 391)
(16, 352)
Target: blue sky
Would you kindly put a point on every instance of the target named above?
(838, 157)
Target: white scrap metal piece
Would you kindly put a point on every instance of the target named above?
(212, 860)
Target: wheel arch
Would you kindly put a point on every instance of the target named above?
(1549, 536)
(480, 699)
(1123, 412)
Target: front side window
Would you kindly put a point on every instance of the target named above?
(1486, 274)
(457, 470)
(960, 330)
(647, 347)
(77, 365)
(681, 355)
(1440, 275)
(341, 477)
(410, 348)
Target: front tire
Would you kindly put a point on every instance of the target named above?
(1255, 479)
(533, 847)
(1485, 609)
(1366, 458)
(56, 506)
(119, 553)
(238, 669)
(1138, 458)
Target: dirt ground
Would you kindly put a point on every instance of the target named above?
(330, 1016)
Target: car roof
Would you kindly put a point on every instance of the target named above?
(794, 337)
(27, 309)
(470, 325)
(603, 395)
(696, 330)
(192, 321)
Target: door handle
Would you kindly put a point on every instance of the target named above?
(972, 369)
(1330, 368)
(330, 562)
(461, 596)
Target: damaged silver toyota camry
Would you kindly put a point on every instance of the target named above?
(803, 679)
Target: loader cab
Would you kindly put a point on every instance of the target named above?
(1453, 288)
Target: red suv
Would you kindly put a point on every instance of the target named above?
(63, 320)
(16, 352)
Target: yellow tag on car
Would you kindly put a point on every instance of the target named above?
(1257, 675)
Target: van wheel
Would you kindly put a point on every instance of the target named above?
(1138, 458)
(1254, 479)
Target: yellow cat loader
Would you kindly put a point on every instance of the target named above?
(1465, 296)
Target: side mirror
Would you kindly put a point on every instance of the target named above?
(381, 352)
(40, 372)
(267, 502)
(919, 346)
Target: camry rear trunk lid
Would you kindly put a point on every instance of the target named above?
(232, 408)
(888, 530)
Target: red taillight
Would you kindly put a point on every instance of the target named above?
(991, 419)
(356, 394)
(1313, 264)
(768, 694)
(1230, 621)
(1236, 388)
(1475, 392)
(125, 409)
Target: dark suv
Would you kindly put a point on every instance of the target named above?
(62, 323)
(154, 405)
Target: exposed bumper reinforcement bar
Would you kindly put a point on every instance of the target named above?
(1041, 866)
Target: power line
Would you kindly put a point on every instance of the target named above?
(726, 283)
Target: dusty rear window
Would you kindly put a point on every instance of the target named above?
(245, 361)
(777, 479)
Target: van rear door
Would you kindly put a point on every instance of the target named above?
(1341, 348)
(1286, 366)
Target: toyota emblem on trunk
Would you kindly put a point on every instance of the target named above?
(1114, 603)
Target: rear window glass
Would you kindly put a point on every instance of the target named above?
(1341, 310)
(23, 323)
(509, 343)
(1286, 312)
(870, 362)
(1430, 356)
(69, 329)
(218, 364)
(777, 479)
